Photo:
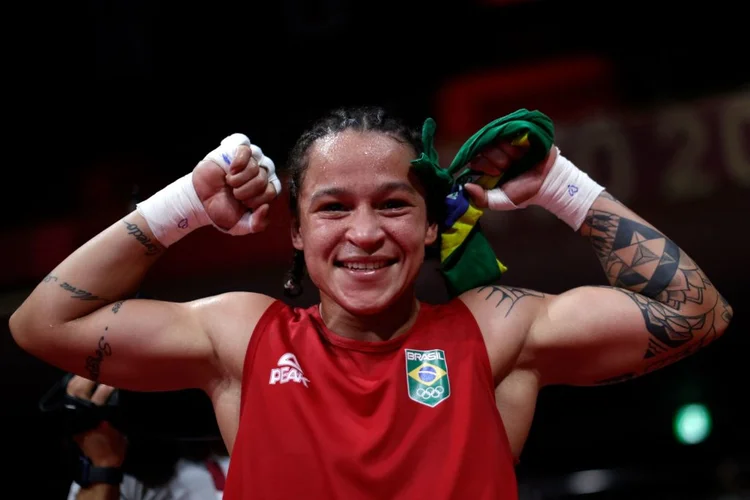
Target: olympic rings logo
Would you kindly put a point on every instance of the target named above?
(430, 392)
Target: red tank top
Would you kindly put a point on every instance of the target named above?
(326, 417)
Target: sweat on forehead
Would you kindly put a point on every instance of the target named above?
(354, 157)
(352, 145)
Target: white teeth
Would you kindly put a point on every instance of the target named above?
(364, 266)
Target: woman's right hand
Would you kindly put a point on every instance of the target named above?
(229, 192)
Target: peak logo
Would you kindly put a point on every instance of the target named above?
(289, 370)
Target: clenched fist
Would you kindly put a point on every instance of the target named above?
(496, 160)
(233, 185)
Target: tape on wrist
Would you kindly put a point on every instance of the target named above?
(174, 211)
(567, 192)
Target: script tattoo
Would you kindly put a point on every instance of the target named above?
(94, 363)
(116, 306)
(508, 294)
(135, 231)
(78, 293)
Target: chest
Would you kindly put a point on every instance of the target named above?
(347, 393)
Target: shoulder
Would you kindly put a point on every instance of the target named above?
(503, 305)
(505, 315)
(229, 320)
(231, 311)
(252, 304)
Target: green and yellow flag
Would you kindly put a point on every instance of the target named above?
(466, 258)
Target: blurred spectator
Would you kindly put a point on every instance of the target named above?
(154, 470)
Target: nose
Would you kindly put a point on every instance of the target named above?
(365, 230)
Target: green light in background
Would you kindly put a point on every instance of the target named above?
(692, 423)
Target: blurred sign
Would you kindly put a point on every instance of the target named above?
(672, 153)
(678, 152)
(569, 88)
(684, 167)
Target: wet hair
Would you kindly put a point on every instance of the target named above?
(361, 119)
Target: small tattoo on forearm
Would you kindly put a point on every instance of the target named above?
(133, 229)
(78, 293)
(49, 278)
(94, 363)
(116, 306)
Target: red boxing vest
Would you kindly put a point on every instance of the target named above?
(327, 417)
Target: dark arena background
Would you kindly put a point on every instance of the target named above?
(652, 100)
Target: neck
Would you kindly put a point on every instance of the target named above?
(385, 325)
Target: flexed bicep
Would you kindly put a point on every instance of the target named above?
(598, 335)
(136, 344)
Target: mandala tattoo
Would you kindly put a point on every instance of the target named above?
(666, 285)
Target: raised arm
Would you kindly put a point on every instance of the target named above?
(77, 319)
(660, 306)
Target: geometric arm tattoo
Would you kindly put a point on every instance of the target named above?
(641, 259)
(676, 299)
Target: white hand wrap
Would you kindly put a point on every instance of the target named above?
(567, 192)
(176, 210)
(224, 154)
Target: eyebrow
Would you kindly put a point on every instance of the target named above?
(383, 188)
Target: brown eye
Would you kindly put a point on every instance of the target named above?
(332, 207)
(394, 204)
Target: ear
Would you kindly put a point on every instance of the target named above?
(431, 235)
(296, 236)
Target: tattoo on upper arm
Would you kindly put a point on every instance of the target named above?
(151, 247)
(640, 258)
(508, 294)
(49, 278)
(668, 328)
(116, 306)
(94, 363)
(672, 335)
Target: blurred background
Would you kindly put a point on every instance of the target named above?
(651, 99)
